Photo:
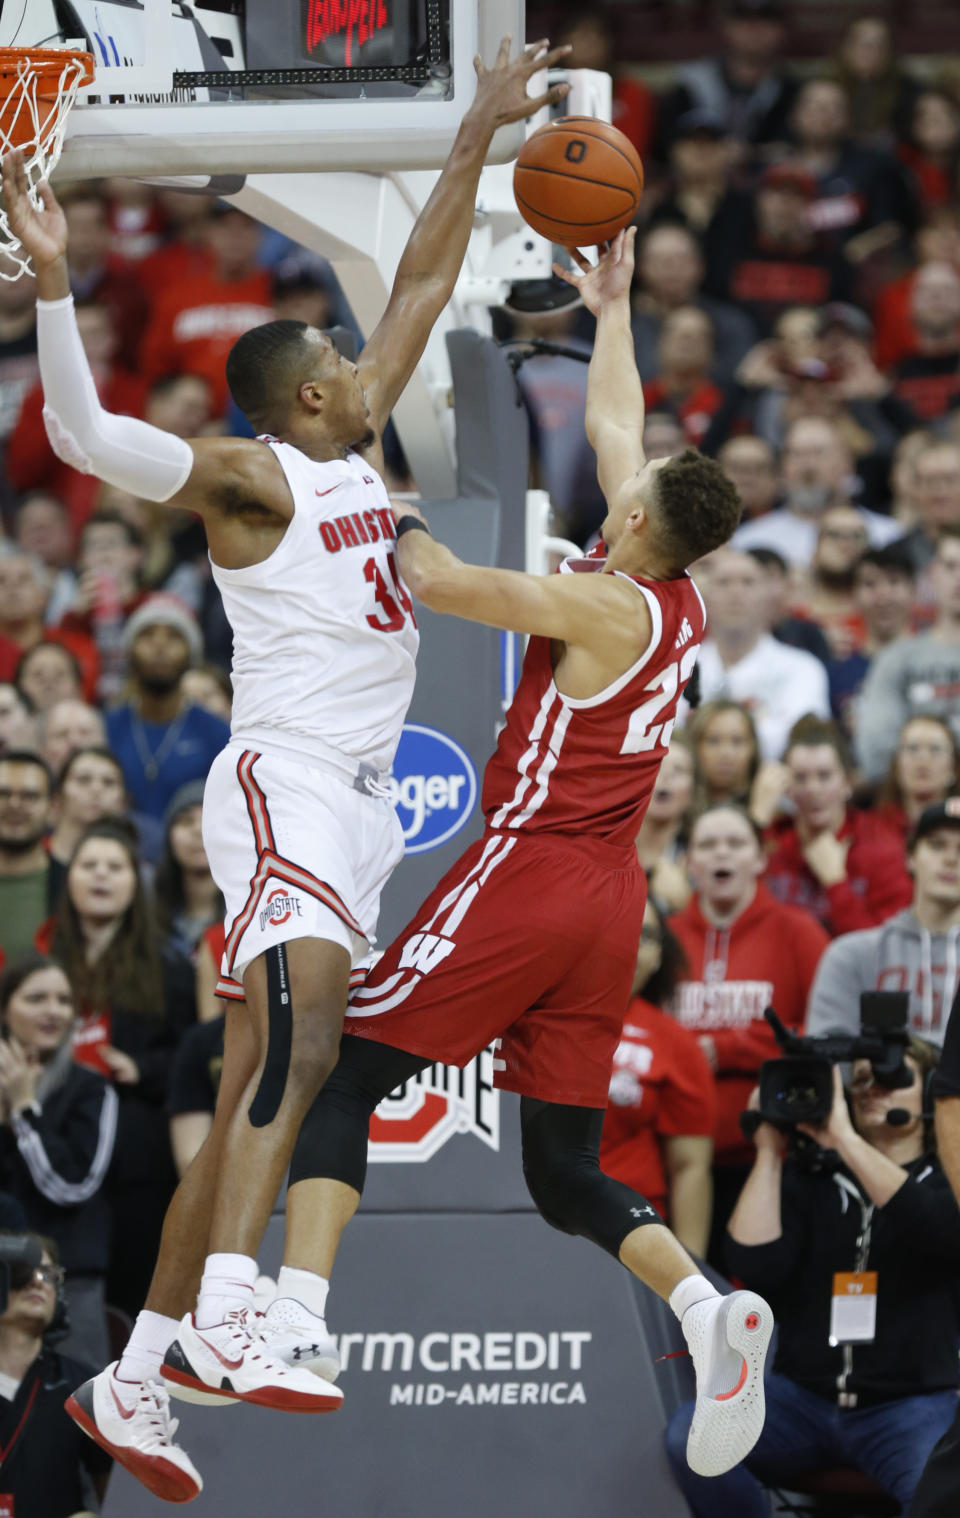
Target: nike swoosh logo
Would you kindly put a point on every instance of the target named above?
(124, 1412)
(331, 490)
(230, 1364)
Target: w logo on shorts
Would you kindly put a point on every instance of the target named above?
(422, 951)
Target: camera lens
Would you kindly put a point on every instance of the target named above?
(797, 1101)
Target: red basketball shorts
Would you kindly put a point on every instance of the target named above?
(528, 942)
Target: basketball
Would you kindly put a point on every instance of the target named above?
(578, 181)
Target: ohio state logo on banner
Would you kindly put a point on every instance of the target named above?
(417, 1119)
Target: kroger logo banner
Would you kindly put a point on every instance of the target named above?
(434, 787)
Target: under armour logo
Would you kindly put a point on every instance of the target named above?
(642, 1212)
(306, 1351)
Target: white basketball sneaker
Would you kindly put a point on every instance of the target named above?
(132, 1423)
(231, 1359)
(728, 1339)
(295, 1335)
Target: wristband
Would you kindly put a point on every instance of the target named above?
(412, 524)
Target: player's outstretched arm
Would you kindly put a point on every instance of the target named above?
(124, 451)
(597, 612)
(431, 262)
(614, 417)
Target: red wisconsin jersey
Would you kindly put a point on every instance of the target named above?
(588, 766)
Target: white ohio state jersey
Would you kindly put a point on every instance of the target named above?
(324, 637)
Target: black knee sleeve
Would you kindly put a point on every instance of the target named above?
(332, 1142)
(561, 1166)
(276, 1066)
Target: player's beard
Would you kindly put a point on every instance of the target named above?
(366, 441)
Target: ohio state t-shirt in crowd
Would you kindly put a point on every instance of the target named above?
(765, 958)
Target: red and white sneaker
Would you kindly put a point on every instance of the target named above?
(295, 1335)
(132, 1423)
(231, 1359)
(728, 1339)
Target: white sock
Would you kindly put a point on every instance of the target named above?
(151, 1338)
(305, 1286)
(691, 1289)
(228, 1282)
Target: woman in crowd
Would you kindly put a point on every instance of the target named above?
(186, 898)
(745, 951)
(49, 672)
(662, 837)
(658, 1131)
(879, 92)
(59, 1123)
(726, 750)
(105, 938)
(208, 686)
(923, 771)
(931, 150)
(186, 894)
(841, 864)
(90, 786)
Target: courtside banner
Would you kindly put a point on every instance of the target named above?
(417, 1119)
(434, 787)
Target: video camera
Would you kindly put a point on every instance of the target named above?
(20, 1254)
(799, 1087)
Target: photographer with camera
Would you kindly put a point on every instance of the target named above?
(855, 1240)
(938, 1495)
(49, 1469)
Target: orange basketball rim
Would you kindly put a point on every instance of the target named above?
(38, 85)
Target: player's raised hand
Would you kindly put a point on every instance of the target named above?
(607, 280)
(43, 232)
(502, 90)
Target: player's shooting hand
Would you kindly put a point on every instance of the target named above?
(502, 90)
(607, 280)
(43, 233)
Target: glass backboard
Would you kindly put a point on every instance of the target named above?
(266, 86)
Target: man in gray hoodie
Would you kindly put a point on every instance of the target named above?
(915, 674)
(917, 950)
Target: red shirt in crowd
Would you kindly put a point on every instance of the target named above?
(694, 411)
(32, 464)
(662, 1087)
(877, 883)
(195, 324)
(84, 650)
(765, 958)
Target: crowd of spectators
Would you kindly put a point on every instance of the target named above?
(797, 315)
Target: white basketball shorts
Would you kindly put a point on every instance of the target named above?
(297, 853)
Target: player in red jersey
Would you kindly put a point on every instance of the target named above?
(531, 937)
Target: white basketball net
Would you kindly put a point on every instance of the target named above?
(38, 126)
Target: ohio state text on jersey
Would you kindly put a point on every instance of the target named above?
(324, 637)
(588, 766)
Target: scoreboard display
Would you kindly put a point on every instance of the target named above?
(399, 47)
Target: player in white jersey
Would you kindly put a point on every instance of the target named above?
(299, 834)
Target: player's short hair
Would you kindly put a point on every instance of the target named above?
(696, 508)
(264, 367)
